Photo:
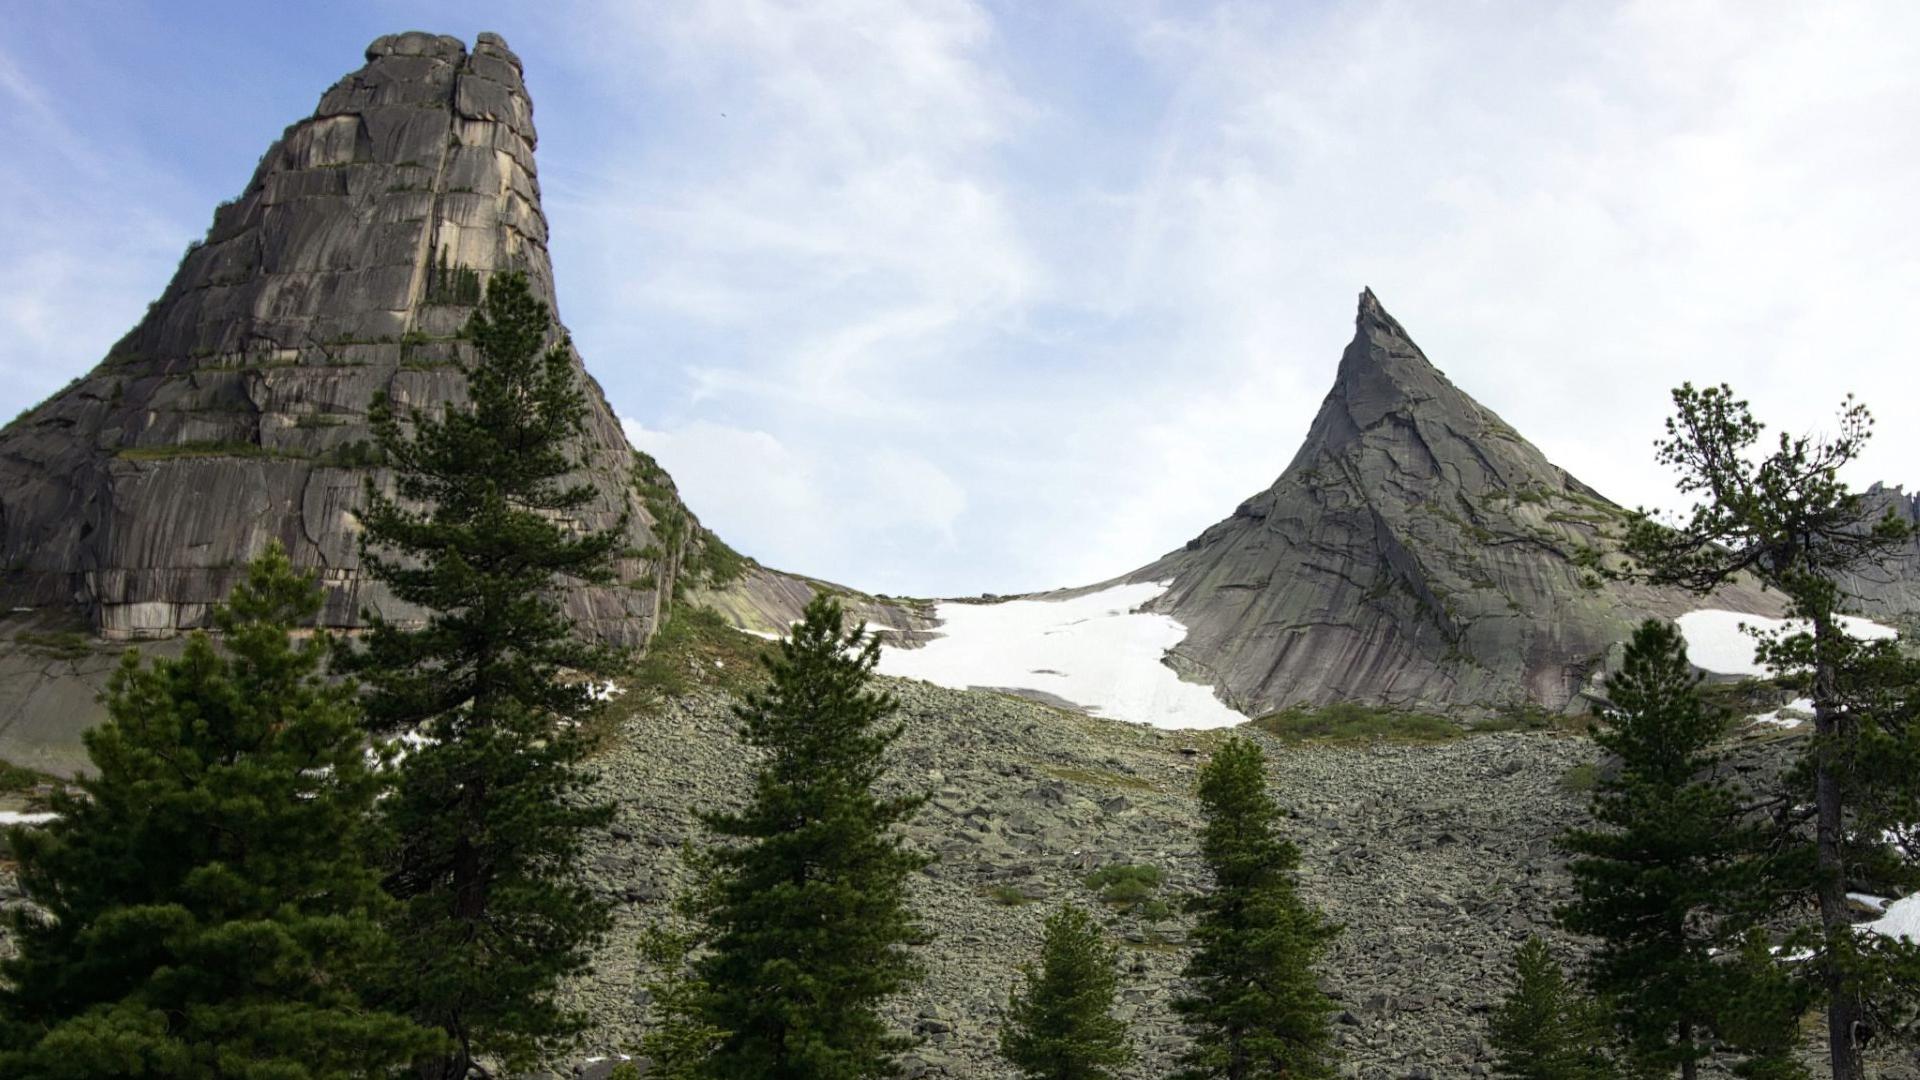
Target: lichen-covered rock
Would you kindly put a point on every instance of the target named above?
(234, 414)
(1417, 552)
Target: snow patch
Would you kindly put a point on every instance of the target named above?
(1095, 651)
(1792, 714)
(1902, 920)
(1716, 643)
(23, 817)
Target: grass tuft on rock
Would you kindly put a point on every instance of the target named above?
(1350, 723)
(59, 645)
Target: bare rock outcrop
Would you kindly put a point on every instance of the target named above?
(234, 414)
(1889, 590)
(1417, 552)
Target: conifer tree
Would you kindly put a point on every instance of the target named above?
(1790, 521)
(1675, 875)
(1546, 1029)
(489, 809)
(677, 1042)
(804, 911)
(1254, 1006)
(212, 906)
(1061, 1025)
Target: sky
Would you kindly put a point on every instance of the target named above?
(941, 297)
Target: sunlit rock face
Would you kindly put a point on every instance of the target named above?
(1417, 552)
(234, 414)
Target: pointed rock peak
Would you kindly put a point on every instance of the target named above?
(1382, 369)
(1374, 316)
(1372, 320)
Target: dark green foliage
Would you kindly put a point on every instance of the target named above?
(678, 1042)
(1351, 722)
(214, 912)
(670, 521)
(354, 454)
(1674, 875)
(21, 778)
(804, 906)
(63, 645)
(489, 809)
(1252, 1004)
(1060, 1026)
(1125, 885)
(696, 646)
(1546, 1029)
(1787, 519)
(714, 564)
(451, 283)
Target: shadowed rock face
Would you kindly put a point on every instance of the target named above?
(234, 414)
(1417, 552)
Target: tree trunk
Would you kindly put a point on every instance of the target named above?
(1836, 922)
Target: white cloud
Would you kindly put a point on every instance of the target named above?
(821, 510)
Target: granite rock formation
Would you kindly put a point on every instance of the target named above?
(234, 414)
(1890, 589)
(1417, 552)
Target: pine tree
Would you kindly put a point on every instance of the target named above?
(1254, 1006)
(804, 906)
(489, 810)
(1546, 1029)
(1674, 876)
(677, 1042)
(1788, 519)
(1061, 1026)
(213, 910)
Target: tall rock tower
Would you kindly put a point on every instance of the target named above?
(234, 414)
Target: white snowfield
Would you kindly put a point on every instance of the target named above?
(1716, 643)
(1095, 651)
(1902, 920)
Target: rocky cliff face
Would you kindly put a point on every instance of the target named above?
(1890, 590)
(234, 414)
(1416, 552)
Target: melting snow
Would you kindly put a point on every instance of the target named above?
(1716, 642)
(1095, 651)
(1792, 714)
(1902, 920)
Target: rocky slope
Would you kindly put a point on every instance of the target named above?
(1416, 552)
(1439, 859)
